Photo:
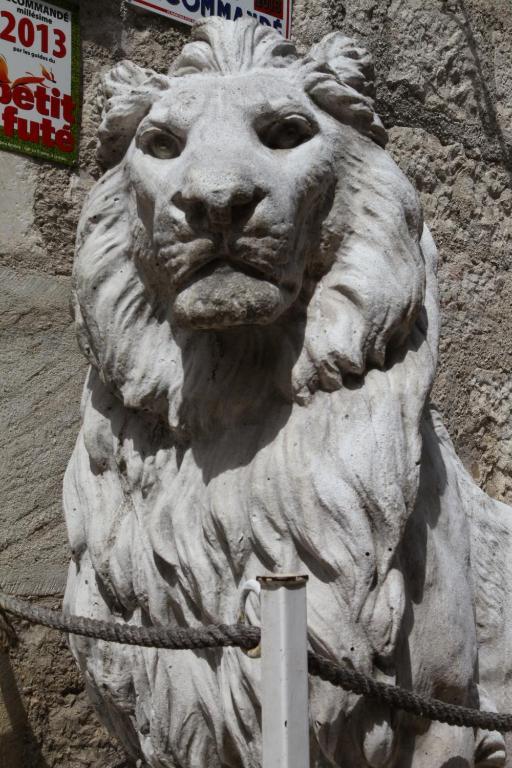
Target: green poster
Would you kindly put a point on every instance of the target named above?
(40, 79)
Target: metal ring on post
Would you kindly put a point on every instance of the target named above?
(248, 587)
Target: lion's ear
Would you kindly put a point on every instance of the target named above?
(340, 78)
(351, 65)
(127, 93)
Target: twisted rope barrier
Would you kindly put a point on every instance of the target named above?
(173, 638)
(245, 637)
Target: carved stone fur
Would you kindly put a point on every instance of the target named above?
(256, 292)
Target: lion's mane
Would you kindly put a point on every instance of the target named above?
(301, 453)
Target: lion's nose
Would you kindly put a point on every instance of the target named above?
(218, 207)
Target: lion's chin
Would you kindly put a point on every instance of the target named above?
(228, 298)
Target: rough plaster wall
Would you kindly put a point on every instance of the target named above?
(444, 71)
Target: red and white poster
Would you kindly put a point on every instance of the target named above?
(271, 13)
(39, 79)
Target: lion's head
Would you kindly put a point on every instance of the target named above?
(250, 190)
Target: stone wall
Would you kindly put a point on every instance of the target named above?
(444, 77)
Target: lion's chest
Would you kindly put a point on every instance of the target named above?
(223, 512)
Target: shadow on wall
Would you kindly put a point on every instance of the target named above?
(485, 100)
(17, 740)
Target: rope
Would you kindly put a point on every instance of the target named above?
(174, 638)
(400, 698)
(242, 636)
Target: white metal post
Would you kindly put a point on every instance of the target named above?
(285, 719)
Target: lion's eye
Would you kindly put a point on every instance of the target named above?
(164, 146)
(287, 133)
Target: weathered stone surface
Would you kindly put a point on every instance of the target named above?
(19, 242)
(442, 65)
(456, 189)
(39, 403)
(468, 205)
(48, 722)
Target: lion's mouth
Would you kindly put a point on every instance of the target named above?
(222, 267)
(261, 257)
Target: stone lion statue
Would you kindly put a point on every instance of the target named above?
(255, 290)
